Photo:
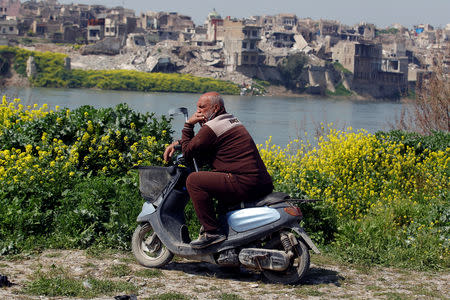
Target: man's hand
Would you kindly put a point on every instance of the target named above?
(168, 153)
(197, 118)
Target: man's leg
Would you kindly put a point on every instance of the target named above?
(202, 187)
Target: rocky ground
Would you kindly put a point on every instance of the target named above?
(57, 272)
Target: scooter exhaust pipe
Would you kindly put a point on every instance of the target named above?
(264, 259)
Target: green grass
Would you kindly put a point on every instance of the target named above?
(312, 291)
(100, 252)
(149, 273)
(340, 90)
(89, 265)
(394, 296)
(339, 67)
(17, 257)
(228, 296)
(57, 282)
(427, 291)
(169, 296)
(53, 255)
(373, 288)
(128, 260)
(119, 270)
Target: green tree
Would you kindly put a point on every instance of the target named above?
(291, 69)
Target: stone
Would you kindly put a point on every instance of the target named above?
(31, 67)
(4, 282)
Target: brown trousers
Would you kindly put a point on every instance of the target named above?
(227, 188)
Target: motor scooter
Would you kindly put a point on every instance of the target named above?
(263, 235)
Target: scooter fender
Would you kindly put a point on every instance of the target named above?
(304, 236)
(147, 210)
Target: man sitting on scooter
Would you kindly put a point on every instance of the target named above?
(239, 174)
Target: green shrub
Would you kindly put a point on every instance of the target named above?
(382, 202)
(4, 66)
(291, 69)
(402, 235)
(98, 210)
(52, 162)
(438, 140)
(339, 67)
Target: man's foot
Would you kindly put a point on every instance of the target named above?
(207, 239)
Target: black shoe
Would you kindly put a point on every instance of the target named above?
(206, 239)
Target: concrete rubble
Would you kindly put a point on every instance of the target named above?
(175, 56)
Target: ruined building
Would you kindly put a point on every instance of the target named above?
(10, 8)
(365, 61)
(9, 11)
(214, 25)
(168, 21)
(160, 26)
(240, 43)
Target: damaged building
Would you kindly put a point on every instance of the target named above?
(365, 61)
(240, 43)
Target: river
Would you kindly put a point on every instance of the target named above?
(283, 118)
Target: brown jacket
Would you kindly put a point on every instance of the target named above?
(228, 146)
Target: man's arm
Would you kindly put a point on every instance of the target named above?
(198, 145)
(168, 153)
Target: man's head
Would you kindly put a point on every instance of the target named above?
(209, 104)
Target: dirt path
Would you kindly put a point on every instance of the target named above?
(183, 279)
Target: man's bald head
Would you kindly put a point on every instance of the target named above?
(214, 99)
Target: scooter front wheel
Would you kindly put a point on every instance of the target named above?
(148, 248)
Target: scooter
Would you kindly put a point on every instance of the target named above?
(263, 235)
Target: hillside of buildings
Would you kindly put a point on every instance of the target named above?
(280, 53)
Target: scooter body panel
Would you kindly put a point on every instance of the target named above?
(147, 210)
(250, 218)
(172, 231)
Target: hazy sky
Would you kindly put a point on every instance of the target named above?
(380, 12)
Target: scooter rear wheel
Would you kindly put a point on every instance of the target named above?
(298, 268)
(148, 248)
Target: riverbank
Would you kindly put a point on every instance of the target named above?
(130, 61)
(281, 91)
(71, 273)
(48, 69)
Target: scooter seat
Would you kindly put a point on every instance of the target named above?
(270, 199)
(267, 200)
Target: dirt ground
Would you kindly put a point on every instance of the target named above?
(193, 280)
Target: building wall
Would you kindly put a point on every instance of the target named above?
(281, 39)
(240, 43)
(366, 65)
(344, 53)
(367, 61)
(95, 30)
(111, 27)
(215, 30)
(10, 7)
(8, 27)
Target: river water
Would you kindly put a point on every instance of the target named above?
(282, 118)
